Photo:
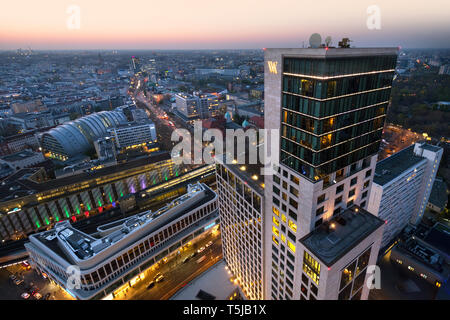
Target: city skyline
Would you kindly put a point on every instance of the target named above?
(210, 25)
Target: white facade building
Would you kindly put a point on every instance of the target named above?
(123, 249)
(133, 134)
(402, 186)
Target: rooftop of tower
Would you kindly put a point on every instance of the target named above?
(330, 52)
(333, 239)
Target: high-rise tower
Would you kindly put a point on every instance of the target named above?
(318, 241)
(329, 105)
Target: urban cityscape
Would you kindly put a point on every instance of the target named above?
(315, 171)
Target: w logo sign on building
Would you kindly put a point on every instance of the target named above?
(272, 66)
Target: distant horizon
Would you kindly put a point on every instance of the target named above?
(206, 49)
(215, 25)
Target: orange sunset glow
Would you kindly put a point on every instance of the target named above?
(186, 24)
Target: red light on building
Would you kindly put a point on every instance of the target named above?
(74, 218)
(86, 213)
(100, 210)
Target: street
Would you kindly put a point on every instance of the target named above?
(11, 291)
(176, 273)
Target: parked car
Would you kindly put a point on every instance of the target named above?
(25, 295)
(37, 296)
(18, 281)
(151, 285)
(208, 244)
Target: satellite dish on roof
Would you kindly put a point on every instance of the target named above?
(315, 40)
(327, 41)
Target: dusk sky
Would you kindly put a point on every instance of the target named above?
(217, 24)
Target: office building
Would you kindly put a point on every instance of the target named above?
(122, 250)
(336, 257)
(196, 106)
(132, 135)
(329, 105)
(77, 137)
(439, 196)
(425, 254)
(22, 159)
(209, 105)
(29, 206)
(241, 190)
(400, 190)
(188, 107)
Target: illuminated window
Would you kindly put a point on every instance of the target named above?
(293, 226)
(283, 238)
(274, 239)
(291, 246)
(275, 231)
(311, 267)
(283, 217)
(276, 211)
(275, 220)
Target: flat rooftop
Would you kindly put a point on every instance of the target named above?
(19, 156)
(333, 52)
(439, 237)
(391, 167)
(215, 282)
(430, 147)
(81, 246)
(333, 239)
(438, 196)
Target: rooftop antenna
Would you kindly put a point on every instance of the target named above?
(344, 43)
(328, 41)
(315, 40)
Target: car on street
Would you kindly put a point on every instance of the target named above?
(37, 296)
(25, 295)
(151, 285)
(201, 249)
(159, 279)
(18, 281)
(209, 243)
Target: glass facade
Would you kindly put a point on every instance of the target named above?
(333, 111)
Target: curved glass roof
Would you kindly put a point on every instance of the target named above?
(76, 136)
